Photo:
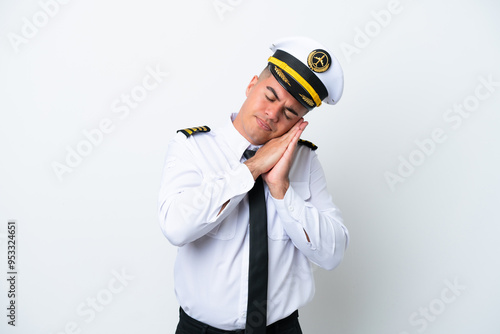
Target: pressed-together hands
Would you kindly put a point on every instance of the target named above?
(274, 159)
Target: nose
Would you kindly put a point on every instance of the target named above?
(273, 112)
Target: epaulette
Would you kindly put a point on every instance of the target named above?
(308, 144)
(189, 131)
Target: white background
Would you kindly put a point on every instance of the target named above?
(409, 242)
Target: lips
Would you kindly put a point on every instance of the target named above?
(263, 125)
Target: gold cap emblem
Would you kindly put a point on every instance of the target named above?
(319, 61)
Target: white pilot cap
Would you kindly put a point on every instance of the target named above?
(307, 70)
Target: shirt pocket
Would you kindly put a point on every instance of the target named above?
(275, 230)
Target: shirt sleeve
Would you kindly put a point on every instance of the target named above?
(317, 216)
(191, 199)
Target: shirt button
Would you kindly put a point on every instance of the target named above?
(290, 208)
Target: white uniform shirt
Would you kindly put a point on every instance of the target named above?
(204, 171)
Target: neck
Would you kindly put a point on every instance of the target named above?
(238, 125)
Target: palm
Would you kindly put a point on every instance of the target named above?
(277, 177)
(279, 172)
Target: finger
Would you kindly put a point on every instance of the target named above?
(296, 125)
(300, 122)
(293, 130)
(301, 129)
(294, 141)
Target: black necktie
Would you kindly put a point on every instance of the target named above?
(258, 263)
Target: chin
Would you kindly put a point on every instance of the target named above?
(258, 140)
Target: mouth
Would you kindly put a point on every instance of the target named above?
(263, 125)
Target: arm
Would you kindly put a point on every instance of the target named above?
(193, 201)
(314, 224)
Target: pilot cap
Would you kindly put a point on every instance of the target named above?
(307, 70)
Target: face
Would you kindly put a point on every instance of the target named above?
(268, 112)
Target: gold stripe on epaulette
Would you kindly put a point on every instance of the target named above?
(308, 144)
(190, 131)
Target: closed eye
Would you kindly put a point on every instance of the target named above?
(276, 97)
(286, 116)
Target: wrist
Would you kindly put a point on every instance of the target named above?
(279, 189)
(252, 168)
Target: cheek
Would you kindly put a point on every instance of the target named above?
(260, 105)
(282, 129)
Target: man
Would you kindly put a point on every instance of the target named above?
(247, 204)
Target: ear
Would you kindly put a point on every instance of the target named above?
(251, 84)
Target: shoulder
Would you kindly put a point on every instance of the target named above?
(303, 162)
(191, 143)
(192, 131)
(192, 135)
(190, 139)
(307, 143)
(305, 153)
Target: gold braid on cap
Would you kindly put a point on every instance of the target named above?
(282, 75)
(308, 100)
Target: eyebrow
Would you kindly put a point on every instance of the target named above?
(277, 98)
